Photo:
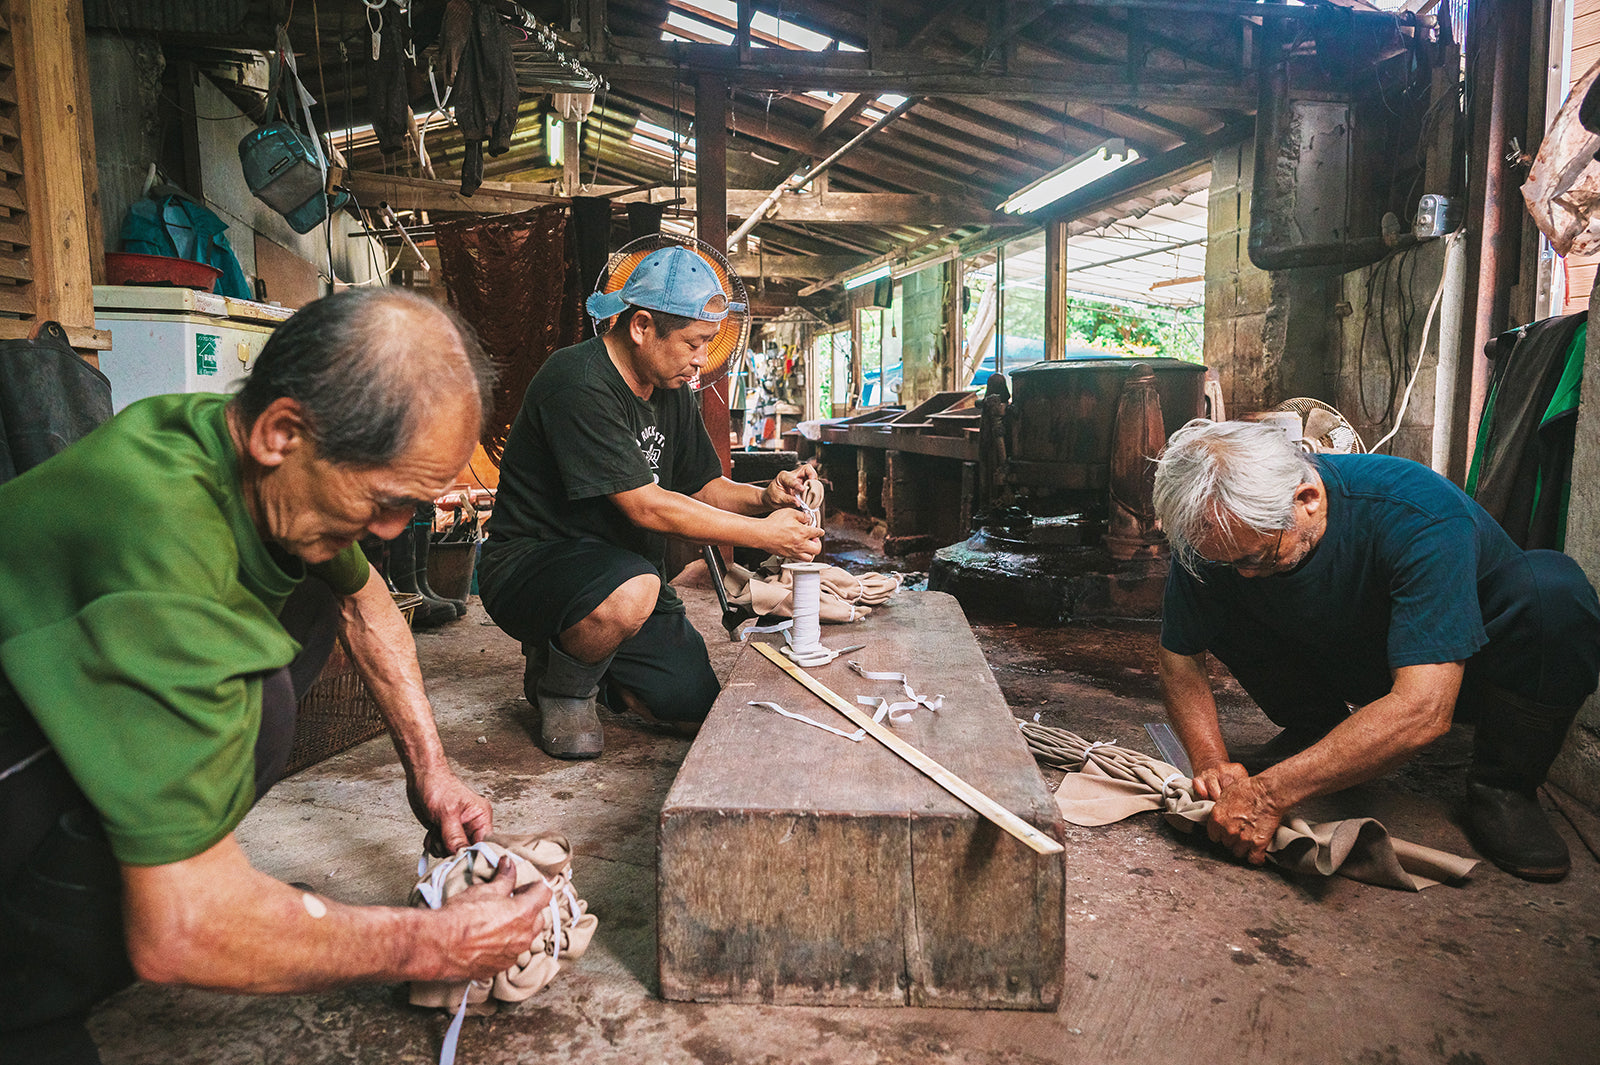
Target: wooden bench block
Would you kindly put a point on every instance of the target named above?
(797, 867)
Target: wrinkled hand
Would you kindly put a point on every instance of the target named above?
(1213, 780)
(788, 488)
(789, 535)
(1244, 819)
(453, 813)
(496, 922)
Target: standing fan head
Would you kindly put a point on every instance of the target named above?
(660, 273)
(1323, 429)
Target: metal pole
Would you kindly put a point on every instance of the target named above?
(1448, 369)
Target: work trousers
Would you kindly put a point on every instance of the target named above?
(1543, 624)
(62, 948)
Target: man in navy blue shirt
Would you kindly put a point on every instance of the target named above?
(1365, 603)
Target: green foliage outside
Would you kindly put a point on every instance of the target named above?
(1151, 330)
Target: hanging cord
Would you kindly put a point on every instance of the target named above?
(1421, 348)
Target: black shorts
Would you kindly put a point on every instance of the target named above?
(536, 593)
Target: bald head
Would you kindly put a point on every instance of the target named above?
(368, 367)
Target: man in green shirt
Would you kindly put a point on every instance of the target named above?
(607, 458)
(172, 583)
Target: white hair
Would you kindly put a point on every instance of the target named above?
(1224, 476)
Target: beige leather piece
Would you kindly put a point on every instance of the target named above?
(1106, 783)
(543, 856)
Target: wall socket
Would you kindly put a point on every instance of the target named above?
(1436, 216)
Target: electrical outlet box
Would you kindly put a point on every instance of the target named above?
(1436, 216)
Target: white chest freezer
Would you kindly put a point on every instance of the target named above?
(178, 340)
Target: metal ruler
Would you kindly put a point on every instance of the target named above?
(1172, 751)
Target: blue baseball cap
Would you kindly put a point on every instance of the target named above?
(672, 280)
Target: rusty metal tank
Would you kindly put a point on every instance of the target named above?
(1061, 424)
(1068, 530)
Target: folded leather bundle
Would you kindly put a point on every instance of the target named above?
(844, 596)
(544, 855)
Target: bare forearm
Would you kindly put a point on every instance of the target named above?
(675, 514)
(1367, 744)
(733, 497)
(1191, 707)
(384, 653)
(219, 924)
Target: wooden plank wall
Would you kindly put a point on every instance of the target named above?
(50, 246)
(1585, 52)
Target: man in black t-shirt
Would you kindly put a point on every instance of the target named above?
(1331, 582)
(608, 457)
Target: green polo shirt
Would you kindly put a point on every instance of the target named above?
(140, 615)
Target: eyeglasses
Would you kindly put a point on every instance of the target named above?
(1265, 559)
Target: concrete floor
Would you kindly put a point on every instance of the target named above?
(1174, 952)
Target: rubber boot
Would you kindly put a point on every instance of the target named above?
(1515, 742)
(422, 537)
(377, 552)
(430, 613)
(565, 689)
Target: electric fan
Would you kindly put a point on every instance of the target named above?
(728, 346)
(1323, 429)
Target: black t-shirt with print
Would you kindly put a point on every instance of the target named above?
(583, 435)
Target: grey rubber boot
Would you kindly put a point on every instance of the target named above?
(1515, 742)
(564, 690)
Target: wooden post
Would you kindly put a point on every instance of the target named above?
(54, 131)
(954, 335)
(571, 164)
(1055, 293)
(711, 224)
(856, 357)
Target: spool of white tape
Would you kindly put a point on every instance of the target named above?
(806, 579)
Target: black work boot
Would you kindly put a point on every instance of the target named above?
(422, 537)
(1515, 742)
(565, 690)
(430, 613)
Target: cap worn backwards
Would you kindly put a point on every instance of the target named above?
(672, 280)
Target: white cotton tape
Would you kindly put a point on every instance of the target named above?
(857, 735)
(806, 578)
(928, 702)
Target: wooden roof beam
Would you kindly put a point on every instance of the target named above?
(842, 208)
(1046, 83)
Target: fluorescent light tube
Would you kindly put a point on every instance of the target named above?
(1108, 158)
(869, 276)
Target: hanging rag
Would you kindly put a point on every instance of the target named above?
(1521, 470)
(644, 219)
(389, 85)
(591, 222)
(567, 932)
(1106, 783)
(1563, 186)
(484, 91)
(514, 279)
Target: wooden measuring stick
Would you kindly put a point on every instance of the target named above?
(941, 776)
